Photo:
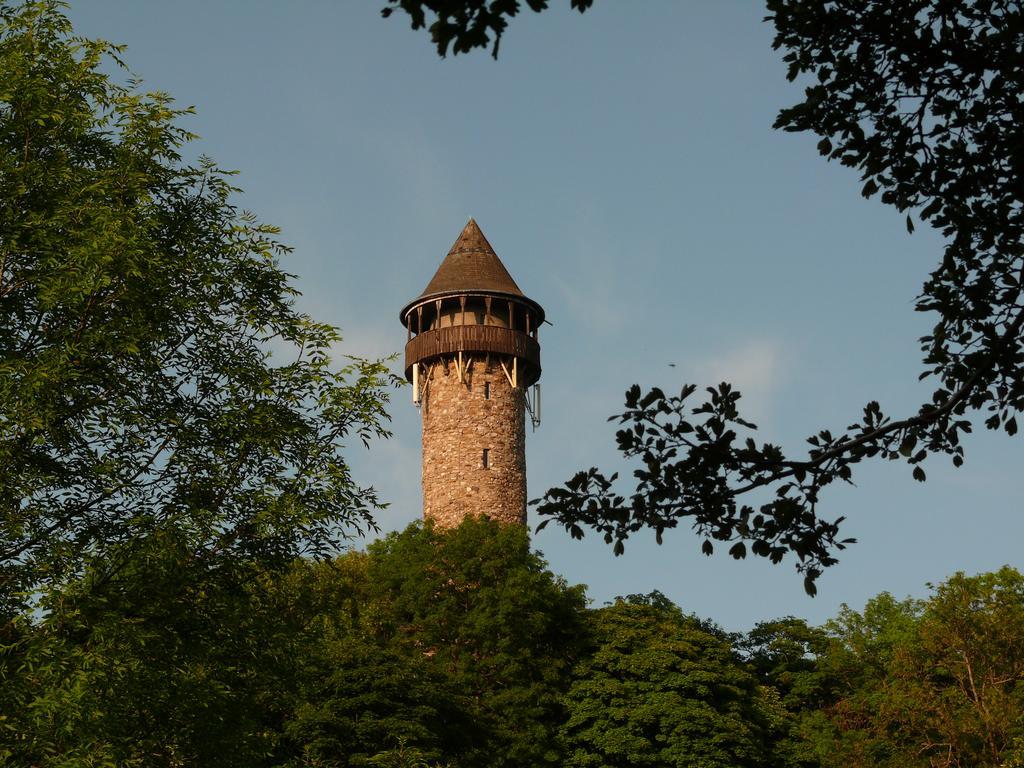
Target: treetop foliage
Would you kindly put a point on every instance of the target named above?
(415, 652)
(462, 25)
(154, 372)
(164, 467)
(659, 689)
(494, 618)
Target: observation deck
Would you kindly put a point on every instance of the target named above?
(479, 339)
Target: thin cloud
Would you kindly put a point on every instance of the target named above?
(757, 368)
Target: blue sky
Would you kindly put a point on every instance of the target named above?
(623, 165)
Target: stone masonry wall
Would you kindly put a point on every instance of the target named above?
(459, 423)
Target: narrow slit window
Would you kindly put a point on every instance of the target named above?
(487, 390)
(487, 458)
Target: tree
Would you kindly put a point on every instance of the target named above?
(435, 648)
(936, 683)
(463, 25)
(785, 656)
(855, 670)
(969, 669)
(487, 612)
(154, 659)
(922, 98)
(659, 689)
(363, 697)
(154, 372)
(440, 646)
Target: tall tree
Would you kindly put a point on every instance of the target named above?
(857, 664)
(923, 99)
(969, 671)
(151, 658)
(489, 614)
(930, 684)
(154, 371)
(785, 655)
(364, 696)
(660, 689)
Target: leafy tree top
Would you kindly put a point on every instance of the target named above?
(154, 370)
(660, 689)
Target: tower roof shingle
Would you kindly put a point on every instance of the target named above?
(471, 266)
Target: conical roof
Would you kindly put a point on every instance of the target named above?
(471, 266)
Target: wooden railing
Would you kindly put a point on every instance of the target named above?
(474, 338)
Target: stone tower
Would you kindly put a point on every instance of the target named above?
(472, 356)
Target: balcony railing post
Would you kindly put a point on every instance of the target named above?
(471, 338)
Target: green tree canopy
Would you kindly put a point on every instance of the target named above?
(460, 648)
(490, 614)
(436, 648)
(361, 695)
(154, 371)
(455, 643)
(151, 658)
(660, 689)
(927, 683)
(785, 655)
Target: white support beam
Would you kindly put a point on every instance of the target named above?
(508, 375)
